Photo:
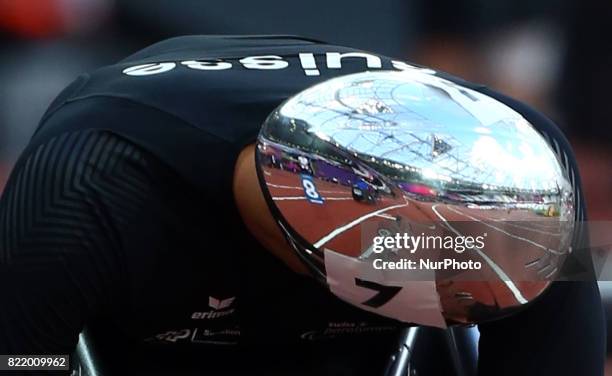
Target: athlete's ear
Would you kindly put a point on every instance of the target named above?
(256, 214)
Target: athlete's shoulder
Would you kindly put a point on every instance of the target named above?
(224, 85)
(217, 44)
(172, 55)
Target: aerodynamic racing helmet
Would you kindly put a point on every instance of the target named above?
(416, 198)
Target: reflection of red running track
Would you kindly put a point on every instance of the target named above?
(333, 224)
(507, 250)
(506, 280)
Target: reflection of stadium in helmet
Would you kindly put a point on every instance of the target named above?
(414, 148)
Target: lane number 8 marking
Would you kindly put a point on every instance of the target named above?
(310, 190)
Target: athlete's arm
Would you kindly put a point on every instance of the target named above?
(63, 216)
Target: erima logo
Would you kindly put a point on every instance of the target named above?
(221, 308)
(332, 60)
(220, 304)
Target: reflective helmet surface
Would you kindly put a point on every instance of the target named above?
(364, 157)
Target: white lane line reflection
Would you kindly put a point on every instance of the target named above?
(298, 188)
(518, 295)
(304, 198)
(505, 232)
(354, 223)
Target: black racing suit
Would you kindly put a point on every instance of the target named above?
(120, 211)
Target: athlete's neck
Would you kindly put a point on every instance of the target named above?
(256, 214)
